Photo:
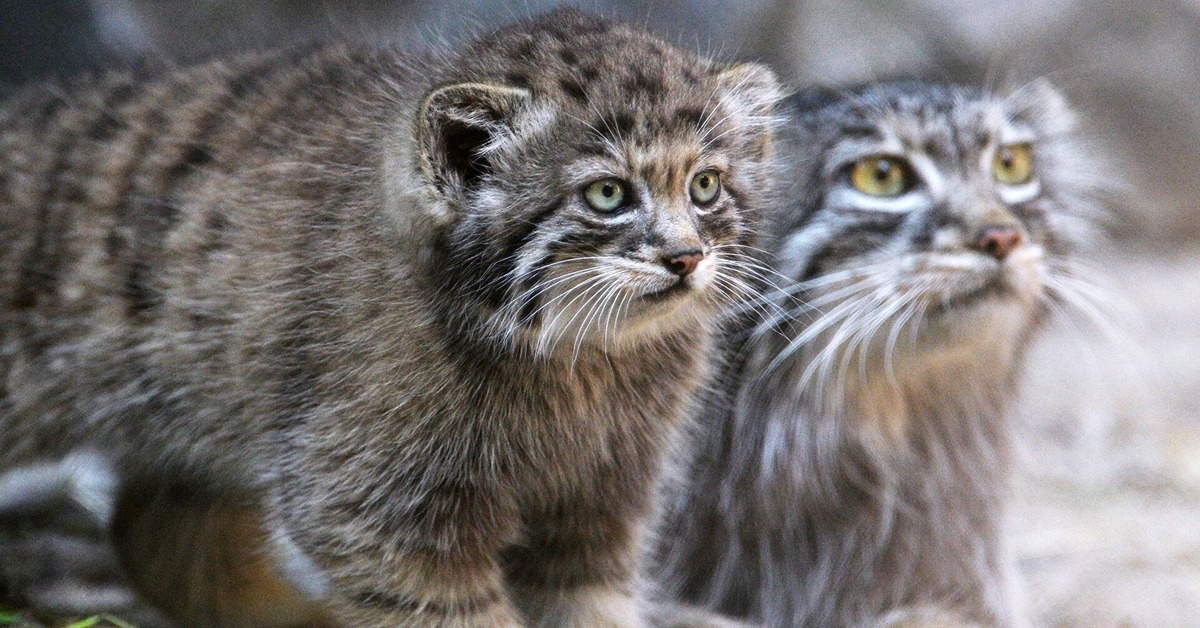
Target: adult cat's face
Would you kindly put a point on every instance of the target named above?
(605, 185)
(938, 214)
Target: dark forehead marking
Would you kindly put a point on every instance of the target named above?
(690, 115)
(657, 172)
(573, 88)
(646, 84)
(960, 142)
(622, 123)
(859, 129)
(981, 137)
(592, 145)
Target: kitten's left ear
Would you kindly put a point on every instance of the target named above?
(752, 87)
(459, 129)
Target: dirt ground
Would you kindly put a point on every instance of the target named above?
(1106, 516)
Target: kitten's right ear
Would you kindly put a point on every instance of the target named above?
(460, 127)
(753, 86)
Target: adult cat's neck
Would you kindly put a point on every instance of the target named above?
(920, 413)
(898, 470)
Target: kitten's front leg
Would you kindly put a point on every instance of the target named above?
(579, 568)
(415, 559)
(432, 592)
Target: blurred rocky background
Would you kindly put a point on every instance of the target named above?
(1106, 517)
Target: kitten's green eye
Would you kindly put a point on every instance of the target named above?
(605, 195)
(880, 176)
(705, 187)
(1013, 164)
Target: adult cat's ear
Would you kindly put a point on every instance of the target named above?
(461, 127)
(1041, 103)
(752, 88)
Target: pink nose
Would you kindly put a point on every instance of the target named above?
(683, 263)
(999, 241)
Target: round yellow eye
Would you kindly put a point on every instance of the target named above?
(605, 195)
(1013, 164)
(880, 176)
(705, 187)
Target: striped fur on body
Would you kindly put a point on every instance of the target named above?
(851, 470)
(363, 288)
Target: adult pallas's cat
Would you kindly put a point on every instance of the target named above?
(852, 464)
(439, 317)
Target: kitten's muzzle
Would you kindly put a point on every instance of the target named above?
(683, 263)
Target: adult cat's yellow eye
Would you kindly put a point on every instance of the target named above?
(605, 195)
(705, 187)
(1013, 164)
(881, 176)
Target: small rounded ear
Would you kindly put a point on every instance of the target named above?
(1042, 104)
(752, 86)
(459, 126)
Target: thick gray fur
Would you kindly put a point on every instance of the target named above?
(362, 289)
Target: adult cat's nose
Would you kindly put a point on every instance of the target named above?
(682, 263)
(999, 241)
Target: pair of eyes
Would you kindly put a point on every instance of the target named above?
(612, 194)
(886, 176)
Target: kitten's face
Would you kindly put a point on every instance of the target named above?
(935, 211)
(620, 193)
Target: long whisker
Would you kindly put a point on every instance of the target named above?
(835, 316)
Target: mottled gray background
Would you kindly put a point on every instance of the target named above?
(1106, 517)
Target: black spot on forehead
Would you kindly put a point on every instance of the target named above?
(645, 83)
(690, 115)
(622, 123)
(574, 88)
(593, 145)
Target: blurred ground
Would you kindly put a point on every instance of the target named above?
(1106, 521)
